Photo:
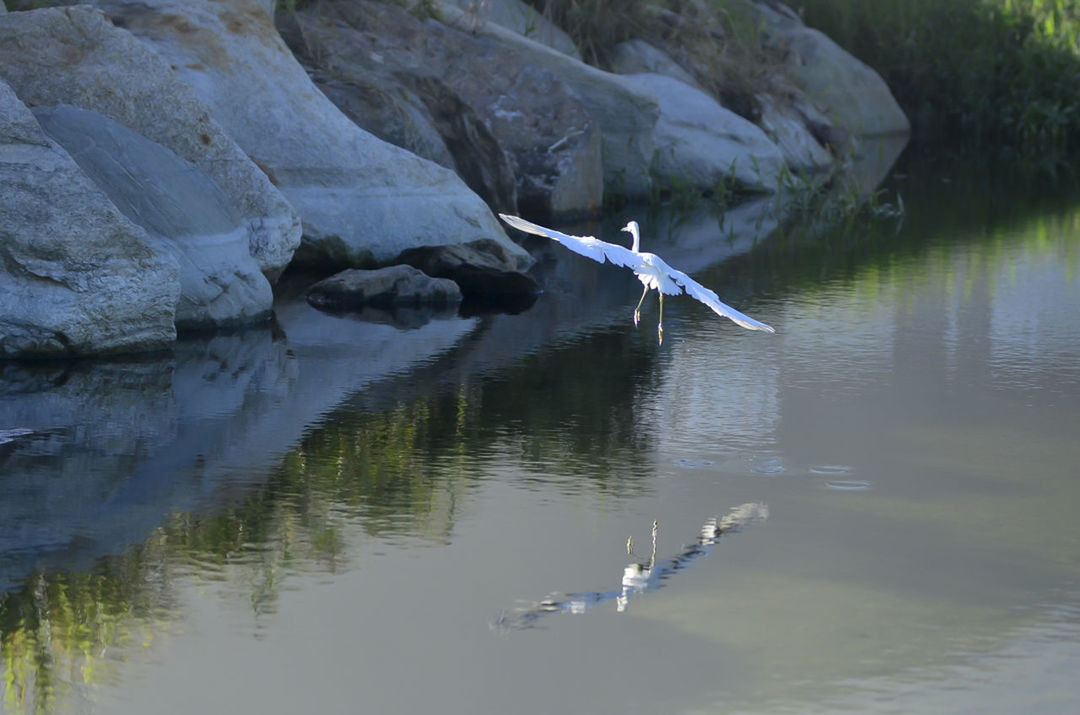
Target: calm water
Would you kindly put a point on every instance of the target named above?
(872, 510)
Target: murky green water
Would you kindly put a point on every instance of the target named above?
(338, 515)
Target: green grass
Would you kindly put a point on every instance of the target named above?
(992, 76)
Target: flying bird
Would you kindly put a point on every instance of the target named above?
(649, 268)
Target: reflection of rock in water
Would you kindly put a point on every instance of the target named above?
(638, 578)
(107, 449)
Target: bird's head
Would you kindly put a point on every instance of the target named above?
(632, 228)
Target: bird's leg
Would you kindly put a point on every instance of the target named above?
(655, 528)
(660, 325)
(637, 310)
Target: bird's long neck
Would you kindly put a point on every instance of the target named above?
(637, 237)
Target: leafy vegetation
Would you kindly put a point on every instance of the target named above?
(999, 76)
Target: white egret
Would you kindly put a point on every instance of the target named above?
(649, 268)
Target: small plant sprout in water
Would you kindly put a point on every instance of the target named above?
(649, 268)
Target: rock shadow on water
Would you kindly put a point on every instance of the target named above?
(107, 449)
(401, 317)
(638, 577)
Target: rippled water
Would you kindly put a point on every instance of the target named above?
(872, 510)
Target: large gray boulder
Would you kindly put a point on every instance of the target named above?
(361, 200)
(536, 120)
(74, 55)
(702, 144)
(851, 93)
(76, 276)
(426, 117)
(184, 213)
(388, 109)
(624, 112)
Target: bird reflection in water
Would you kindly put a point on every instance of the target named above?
(638, 578)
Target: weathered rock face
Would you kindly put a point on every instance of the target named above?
(519, 17)
(76, 277)
(389, 110)
(383, 288)
(624, 113)
(700, 143)
(552, 145)
(478, 156)
(417, 113)
(182, 210)
(74, 55)
(361, 199)
(789, 129)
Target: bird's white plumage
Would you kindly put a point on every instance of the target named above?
(651, 270)
(587, 246)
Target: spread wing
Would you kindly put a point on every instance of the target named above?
(586, 246)
(699, 292)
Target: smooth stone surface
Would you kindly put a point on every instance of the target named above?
(182, 210)
(361, 199)
(639, 57)
(852, 94)
(700, 143)
(76, 276)
(74, 55)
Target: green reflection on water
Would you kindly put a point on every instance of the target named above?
(566, 415)
(393, 473)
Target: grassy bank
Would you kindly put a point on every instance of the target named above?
(996, 76)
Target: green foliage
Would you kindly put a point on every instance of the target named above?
(1000, 75)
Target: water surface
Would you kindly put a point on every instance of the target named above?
(341, 515)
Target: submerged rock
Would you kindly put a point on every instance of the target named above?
(481, 268)
(74, 55)
(361, 200)
(185, 214)
(76, 276)
(383, 288)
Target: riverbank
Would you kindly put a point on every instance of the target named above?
(171, 159)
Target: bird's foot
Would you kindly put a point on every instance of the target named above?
(660, 332)
(637, 317)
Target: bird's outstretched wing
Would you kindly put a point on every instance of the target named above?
(699, 292)
(587, 246)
